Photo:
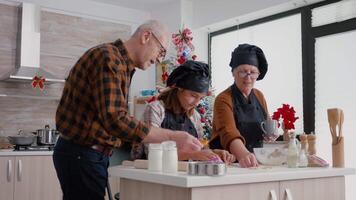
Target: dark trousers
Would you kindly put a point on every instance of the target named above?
(82, 171)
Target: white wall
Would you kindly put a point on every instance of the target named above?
(93, 9)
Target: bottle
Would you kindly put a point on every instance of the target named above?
(303, 153)
(304, 142)
(292, 156)
(169, 157)
(155, 157)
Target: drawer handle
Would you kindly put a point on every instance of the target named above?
(19, 177)
(288, 194)
(273, 194)
(9, 170)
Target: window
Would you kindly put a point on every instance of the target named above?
(280, 40)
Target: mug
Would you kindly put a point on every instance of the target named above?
(269, 126)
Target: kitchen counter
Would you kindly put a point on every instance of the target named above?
(234, 175)
(273, 183)
(25, 153)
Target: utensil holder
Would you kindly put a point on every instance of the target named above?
(338, 153)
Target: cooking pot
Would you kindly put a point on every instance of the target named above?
(47, 136)
(22, 138)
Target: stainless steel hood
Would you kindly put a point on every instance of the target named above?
(28, 49)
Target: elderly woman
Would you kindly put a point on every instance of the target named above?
(240, 109)
(175, 109)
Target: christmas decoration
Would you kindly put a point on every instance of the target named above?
(205, 109)
(184, 46)
(38, 81)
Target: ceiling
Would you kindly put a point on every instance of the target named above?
(135, 4)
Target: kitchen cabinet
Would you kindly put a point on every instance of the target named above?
(318, 188)
(308, 189)
(279, 183)
(28, 178)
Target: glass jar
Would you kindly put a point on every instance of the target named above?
(169, 157)
(155, 157)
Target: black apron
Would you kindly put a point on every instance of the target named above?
(178, 122)
(248, 114)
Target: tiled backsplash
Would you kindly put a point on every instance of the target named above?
(63, 39)
(27, 108)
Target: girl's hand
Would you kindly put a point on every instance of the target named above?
(225, 156)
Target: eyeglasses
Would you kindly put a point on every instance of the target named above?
(162, 51)
(253, 75)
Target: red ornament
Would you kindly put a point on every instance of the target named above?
(153, 98)
(202, 110)
(181, 60)
(38, 81)
(194, 57)
(202, 120)
(165, 77)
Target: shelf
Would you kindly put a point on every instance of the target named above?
(30, 97)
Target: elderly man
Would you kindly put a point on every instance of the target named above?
(92, 115)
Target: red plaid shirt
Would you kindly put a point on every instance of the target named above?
(93, 108)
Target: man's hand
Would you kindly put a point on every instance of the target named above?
(185, 141)
(203, 155)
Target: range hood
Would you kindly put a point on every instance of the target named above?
(28, 49)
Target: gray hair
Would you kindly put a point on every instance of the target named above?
(157, 27)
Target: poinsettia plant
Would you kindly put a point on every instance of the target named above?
(287, 114)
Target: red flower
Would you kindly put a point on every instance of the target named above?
(288, 114)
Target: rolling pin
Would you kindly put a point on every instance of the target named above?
(143, 164)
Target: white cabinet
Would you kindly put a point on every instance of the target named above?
(330, 188)
(28, 178)
(327, 188)
(251, 191)
(7, 177)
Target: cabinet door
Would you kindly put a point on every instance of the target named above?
(329, 188)
(253, 191)
(7, 166)
(36, 179)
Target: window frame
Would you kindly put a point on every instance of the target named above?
(309, 35)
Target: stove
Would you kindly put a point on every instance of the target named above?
(34, 147)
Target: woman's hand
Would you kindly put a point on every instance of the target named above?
(248, 160)
(225, 156)
(245, 158)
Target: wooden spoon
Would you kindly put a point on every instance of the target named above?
(333, 118)
(341, 121)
